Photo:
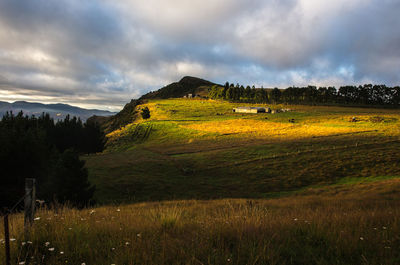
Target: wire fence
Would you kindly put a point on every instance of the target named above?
(7, 211)
(29, 210)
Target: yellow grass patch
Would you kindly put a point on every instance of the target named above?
(272, 129)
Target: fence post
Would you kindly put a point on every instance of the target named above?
(30, 200)
(7, 239)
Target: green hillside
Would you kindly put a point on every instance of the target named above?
(313, 185)
(199, 149)
(187, 85)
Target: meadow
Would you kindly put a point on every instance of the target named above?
(200, 149)
(198, 184)
(345, 224)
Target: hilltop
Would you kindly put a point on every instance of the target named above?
(187, 85)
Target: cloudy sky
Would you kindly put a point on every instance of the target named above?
(103, 53)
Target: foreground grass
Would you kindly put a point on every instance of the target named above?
(344, 224)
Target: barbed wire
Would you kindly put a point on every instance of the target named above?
(8, 211)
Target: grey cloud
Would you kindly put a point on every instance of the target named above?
(106, 52)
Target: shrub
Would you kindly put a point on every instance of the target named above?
(145, 113)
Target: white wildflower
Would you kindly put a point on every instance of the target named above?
(12, 239)
(51, 249)
(47, 244)
(61, 252)
(22, 263)
(37, 218)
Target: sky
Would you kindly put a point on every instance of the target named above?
(101, 54)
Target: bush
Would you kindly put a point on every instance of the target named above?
(145, 113)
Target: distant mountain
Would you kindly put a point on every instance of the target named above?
(56, 111)
(187, 85)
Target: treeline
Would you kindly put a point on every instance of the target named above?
(38, 147)
(358, 95)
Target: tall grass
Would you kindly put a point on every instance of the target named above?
(360, 226)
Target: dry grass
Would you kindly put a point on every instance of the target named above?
(276, 130)
(356, 224)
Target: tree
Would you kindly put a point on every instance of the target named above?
(145, 113)
(93, 138)
(229, 93)
(247, 93)
(260, 96)
(68, 181)
(276, 95)
(34, 148)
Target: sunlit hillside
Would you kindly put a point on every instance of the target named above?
(200, 149)
(199, 184)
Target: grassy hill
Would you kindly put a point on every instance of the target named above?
(187, 85)
(199, 149)
(320, 190)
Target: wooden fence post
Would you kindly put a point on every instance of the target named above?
(7, 239)
(30, 200)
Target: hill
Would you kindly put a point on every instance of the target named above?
(200, 149)
(56, 111)
(127, 115)
(187, 85)
(313, 185)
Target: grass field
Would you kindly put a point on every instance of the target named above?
(349, 223)
(198, 184)
(199, 149)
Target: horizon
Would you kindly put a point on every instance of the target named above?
(69, 104)
(101, 54)
(117, 109)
